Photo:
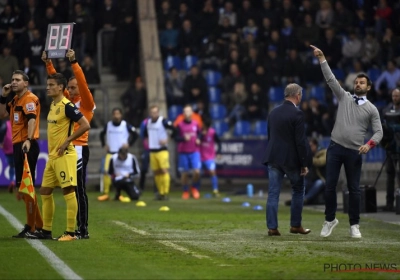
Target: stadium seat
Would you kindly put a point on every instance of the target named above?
(174, 111)
(376, 154)
(260, 128)
(242, 128)
(324, 142)
(339, 74)
(217, 111)
(373, 74)
(214, 94)
(188, 62)
(276, 94)
(220, 127)
(172, 61)
(318, 93)
(213, 78)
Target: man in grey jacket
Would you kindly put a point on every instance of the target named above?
(355, 114)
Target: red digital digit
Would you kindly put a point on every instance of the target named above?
(64, 37)
(53, 38)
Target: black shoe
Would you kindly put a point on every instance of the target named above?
(158, 197)
(288, 202)
(22, 234)
(41, 234)
(80, 235)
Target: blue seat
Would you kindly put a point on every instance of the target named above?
(174, 111)
(376, 154)
(324, 142)
(172, 61)
(339, 74)
(276, 94)
(220, 127)
(260, 128)
(217, 111)
(188, 62)
(318, 93)
(242, 128)
(373, 74)
(213, 78)
(214, 94)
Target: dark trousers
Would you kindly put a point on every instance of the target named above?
(129, 187)
(144, 168)
(19, 158)
(392, 173)
(80, 191)
(337, 156)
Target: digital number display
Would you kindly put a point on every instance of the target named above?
(58, 39)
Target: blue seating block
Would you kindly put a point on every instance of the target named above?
(214, 94)
(220, 127)
(276, 94)
(174, 111)
(213, 78)
(217, 111)
(260, 128)
(242, 128)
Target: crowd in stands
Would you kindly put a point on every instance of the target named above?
(23, 30)
(231, 59)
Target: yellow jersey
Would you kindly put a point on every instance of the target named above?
(60, 125)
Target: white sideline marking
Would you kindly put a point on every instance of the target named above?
(59, 266)
(164, 242)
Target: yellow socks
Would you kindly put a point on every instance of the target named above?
(107, 183)
(157, 179)
(48, 208)
(72, 210)
(165, 182)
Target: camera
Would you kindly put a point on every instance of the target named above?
(391, 132)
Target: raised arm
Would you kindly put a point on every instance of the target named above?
(87, 101)
(334, 85)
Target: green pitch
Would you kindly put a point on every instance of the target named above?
(204, 239)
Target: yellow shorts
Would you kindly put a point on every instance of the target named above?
(159, 160)
(61, 171)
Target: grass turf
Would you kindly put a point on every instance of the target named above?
(204, 239)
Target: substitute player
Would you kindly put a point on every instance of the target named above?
(78, 92)
(61, 168)
(24, 113)
(208, 153)
(188, 136)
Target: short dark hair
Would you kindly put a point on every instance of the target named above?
(363, 75)
(206, 122)
(22, 73)
(116, 109)
(72, 78)
(314, 141)
(59, 78)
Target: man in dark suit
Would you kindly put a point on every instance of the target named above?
(286, 154)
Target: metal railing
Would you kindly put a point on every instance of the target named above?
(104, 49)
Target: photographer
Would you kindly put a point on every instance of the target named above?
(392, 160)
(123, 168)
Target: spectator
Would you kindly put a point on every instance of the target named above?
(307, 33)
(256, 104)
(9, 64)
(60, 9)
(224, 32)
(195, 88)
(277, 43)
(165, 14)
(305, 8)
(90, 71)
(382, 16)
(288, 10)
(107, 17)
(265, 31)
(370, 50)
(325, 15)
(343, 18)
(169, 40)
(318, 125)
(207, 20)
(209, 54)
(83, 31)
(33, 74)
(134, 101)
(174, 87)
(251, 61)
(32, 12)
(246, 13)
(389, 44)
(64, 68)
(352, 49)
(387, 81)
(268, 12)
(188, 40)
(26, 37)
(9, 19)
(351, 76)
(228, 12)
(293, 69)
(235, 58)
(230, 80)
(250, 28)
(273, 66)
(12, 43)
(236, 103)
(288, 34)
(49, 18)
(259, 78)
(332, 48)
(183, 14)
(127, 47)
